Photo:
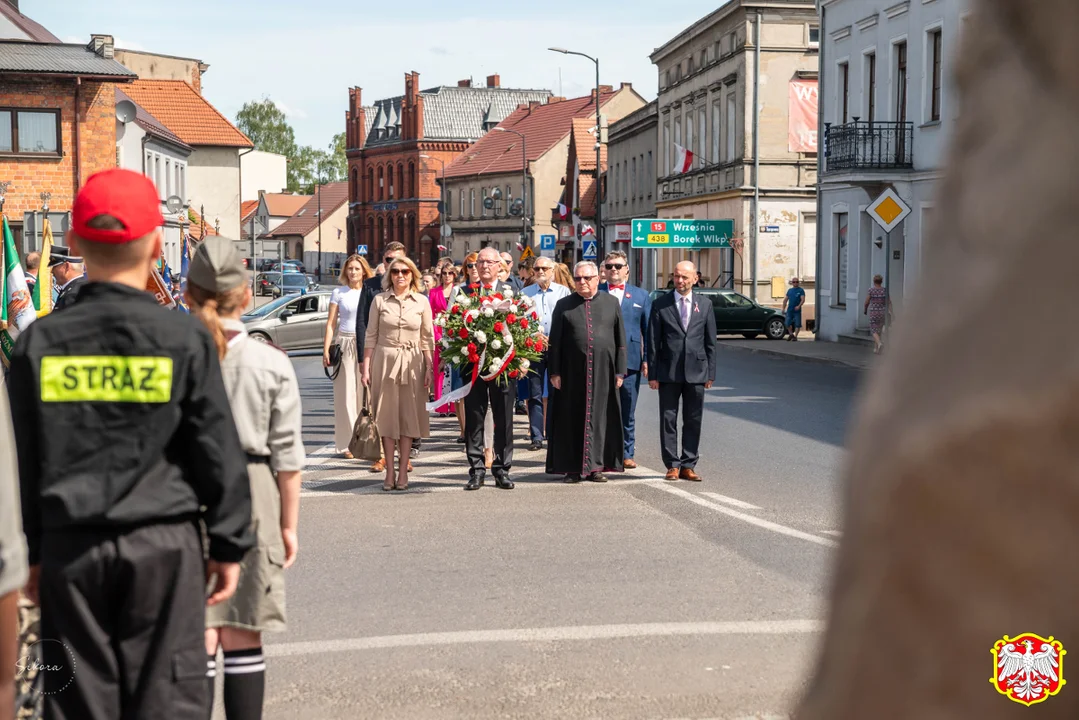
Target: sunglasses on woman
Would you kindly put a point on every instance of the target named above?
(400, 271)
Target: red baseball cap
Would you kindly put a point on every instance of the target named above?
(128, 196)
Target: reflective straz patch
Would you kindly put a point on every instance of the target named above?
(106, 378)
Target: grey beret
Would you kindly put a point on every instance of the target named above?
(216, 266)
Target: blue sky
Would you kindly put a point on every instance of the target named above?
(305, 55)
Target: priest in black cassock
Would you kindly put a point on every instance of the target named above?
(586, 363)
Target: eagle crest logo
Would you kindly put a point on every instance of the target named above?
(1028, 669)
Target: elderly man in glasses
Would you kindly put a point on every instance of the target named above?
(545, 293)
(587, 363)
(636, 307)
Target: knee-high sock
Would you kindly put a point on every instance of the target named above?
(245, 684)
(211, 678)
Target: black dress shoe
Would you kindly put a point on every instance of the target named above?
(597, 477)
(535, 446)
(572, 478)
(461, 440)
(503, 482)
(475, 482)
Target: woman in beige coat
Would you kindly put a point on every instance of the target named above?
(397, 364)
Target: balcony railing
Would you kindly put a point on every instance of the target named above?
(869, 146)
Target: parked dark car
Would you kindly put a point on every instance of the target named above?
(738, 315)
(293, 283)
(265, 282)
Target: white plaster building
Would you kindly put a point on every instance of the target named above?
(887, 109)
(262, 171)
(146, 146)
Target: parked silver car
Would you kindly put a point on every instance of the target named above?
(292, 322)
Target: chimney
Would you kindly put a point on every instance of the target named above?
(555, 99)
(464, 83)
(494, 81)
(532, 105)
(101, 45)
(625, 86)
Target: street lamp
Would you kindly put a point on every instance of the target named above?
(600, 234)
(524, 185)
(441, 199)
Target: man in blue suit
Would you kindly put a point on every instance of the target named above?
(636, 308)
(682, 353)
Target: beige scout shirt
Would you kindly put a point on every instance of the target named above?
(265, 399)
(13, 569)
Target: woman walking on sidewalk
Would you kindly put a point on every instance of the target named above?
(348, 391)
(397, 365)
(879, 307)
(265, 400)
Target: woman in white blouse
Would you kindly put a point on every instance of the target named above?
(341, 323)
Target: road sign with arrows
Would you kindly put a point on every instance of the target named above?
(682, 234)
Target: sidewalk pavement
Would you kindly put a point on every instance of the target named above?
(807, 350)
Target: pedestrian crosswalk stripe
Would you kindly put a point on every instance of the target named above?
(545, 634)
(730, 501)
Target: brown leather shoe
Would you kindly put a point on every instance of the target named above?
(688, 474)
(380, 466)
(630, 464)
(410, 466)
(672, 474)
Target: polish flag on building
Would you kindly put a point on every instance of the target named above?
(563, 211)
(588, 231)
(683, 159)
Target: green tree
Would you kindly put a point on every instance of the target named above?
(337, 157)
(268, 128)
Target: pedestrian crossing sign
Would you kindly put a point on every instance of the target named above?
(361, 249)
(589, 250)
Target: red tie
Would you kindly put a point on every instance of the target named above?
(616, 287)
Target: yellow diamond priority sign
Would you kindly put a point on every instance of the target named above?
(888, 210)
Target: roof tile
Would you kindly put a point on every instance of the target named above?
(306, 219)
(449, 113)
(186, 113)
(543, 128)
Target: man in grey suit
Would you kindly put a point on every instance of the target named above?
(682, 365)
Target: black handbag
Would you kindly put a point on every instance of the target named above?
(335, 362)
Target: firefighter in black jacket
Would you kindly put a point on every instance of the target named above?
(126, 440)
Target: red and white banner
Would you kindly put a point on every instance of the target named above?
(683, 159)
(802, 130)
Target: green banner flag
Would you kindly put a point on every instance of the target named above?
(16, 306)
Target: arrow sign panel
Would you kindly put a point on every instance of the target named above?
(659, 234)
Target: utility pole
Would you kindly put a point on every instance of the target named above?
(319, 192)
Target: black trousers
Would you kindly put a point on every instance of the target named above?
(692, 398)
(501, 399)
(122, 624)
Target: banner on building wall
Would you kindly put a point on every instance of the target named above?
(623, 232)
(802, 131)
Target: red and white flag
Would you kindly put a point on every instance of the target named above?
(588, 230)
(563, 211)
(683, 159)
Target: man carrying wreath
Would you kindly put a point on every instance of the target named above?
(501, 393)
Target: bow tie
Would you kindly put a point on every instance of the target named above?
(616, 287)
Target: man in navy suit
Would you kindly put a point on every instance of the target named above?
(636, 307)
(682, 355)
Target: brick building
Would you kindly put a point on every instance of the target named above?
(396, 151)
(57, 123)
(498, 161)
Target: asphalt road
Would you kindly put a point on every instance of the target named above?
(633, 599)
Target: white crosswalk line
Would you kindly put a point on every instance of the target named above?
(765, 524)
(730, 501)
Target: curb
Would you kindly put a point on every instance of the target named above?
(834, 362)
